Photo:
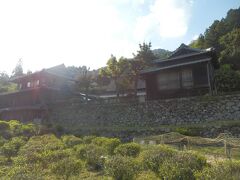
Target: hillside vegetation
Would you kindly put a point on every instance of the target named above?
(25, 154)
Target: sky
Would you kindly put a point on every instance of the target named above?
(45, 33)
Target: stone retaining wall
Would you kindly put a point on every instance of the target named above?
(83, 118)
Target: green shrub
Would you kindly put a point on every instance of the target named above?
(181, 166)
(191, 159)
(172, 170)
(222, 170)
(67, 167)
(154, 157)
(108, 143)
(39, 144)
(12, 147)
(88, 139)
(128, 149)
(3, 161)
(5, 129)
(16, 127)
(28, 130)
(52, 156)
(25, 172)
(120, 167)
(227, 79)
(4, 126)
(3, 171)
(70, 140)
(81, 151)
(2, 141)
(93, 155)
(147, 175)
(42, 143)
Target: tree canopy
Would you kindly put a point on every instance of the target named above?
(18, 70)
(224, 36)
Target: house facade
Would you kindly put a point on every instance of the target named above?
(35, 92)
(187, 72)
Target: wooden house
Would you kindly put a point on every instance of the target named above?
(35, 92)
(187, 72)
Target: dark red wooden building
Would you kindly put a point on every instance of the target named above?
(187, 72)
(35, 92)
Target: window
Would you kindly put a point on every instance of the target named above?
(168, 80)
(187, 79)
(29, 84)
(20, 86)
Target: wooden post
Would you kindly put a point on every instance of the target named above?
(227, 148)
(209, 79)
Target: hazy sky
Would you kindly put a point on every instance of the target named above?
(44, 33)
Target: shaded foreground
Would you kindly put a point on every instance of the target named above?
(25, 154)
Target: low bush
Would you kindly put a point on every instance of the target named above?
(120, 167)
(28, 130)
(2, 141)
(182, 166)
(70, 140)
(3, 161)
(67, 168)
(4, 126)
(175, 171)
(154, 157)
(222, 170)
(108, 143)
(25, 172)
(128, 149)
(5, 129)
(88, 139)
(93, 155)
(50, 156)
(37, 145)
(12, 147)
(191, 159)
(146, 175)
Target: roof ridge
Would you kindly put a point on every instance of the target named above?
(179, 57)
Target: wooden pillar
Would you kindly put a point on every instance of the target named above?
(209, 79)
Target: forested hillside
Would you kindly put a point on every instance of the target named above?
(224, 36)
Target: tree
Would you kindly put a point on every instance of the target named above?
(227, 79)
(232, 19)
(102, 78)
(199, 42)
(231, 44)
(5, 85)
(115, 70)
(142, 59)
(145, 54)
(4, 82)
(18, 70)
(213, 34)
(84, 81)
